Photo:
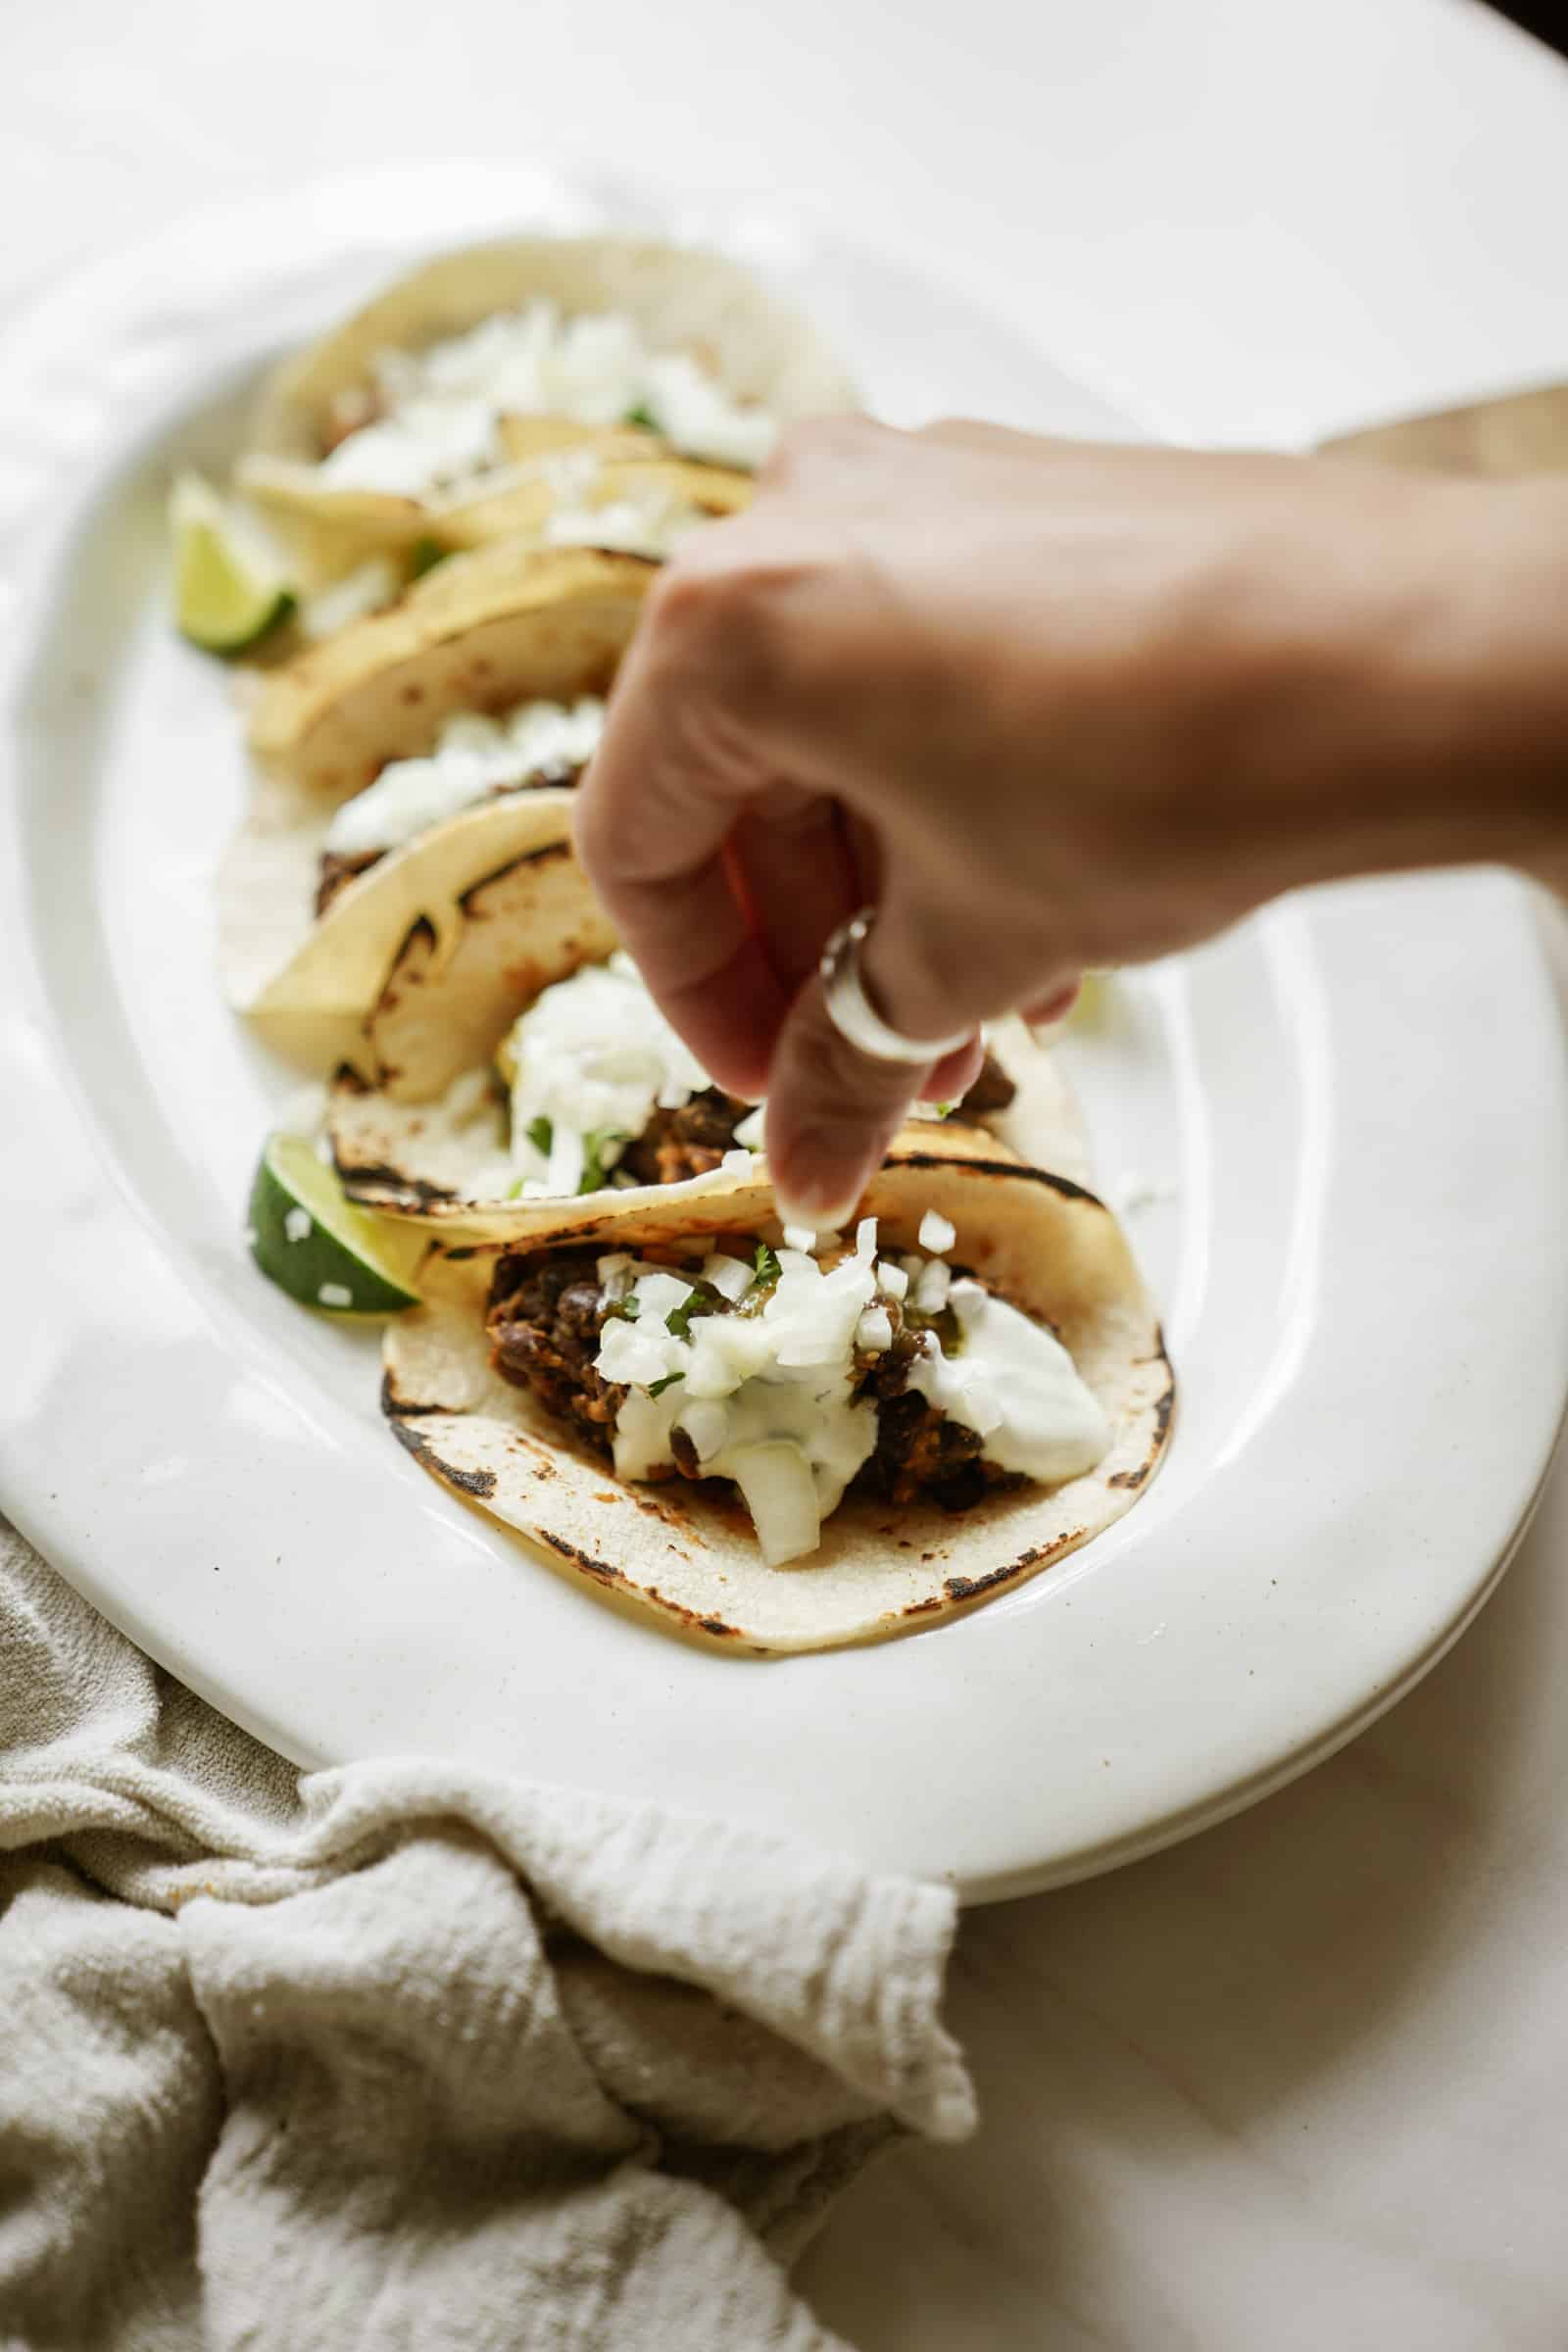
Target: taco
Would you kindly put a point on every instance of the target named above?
(785, 1447)
(393, 757)
(464, 381)
(517, 1066)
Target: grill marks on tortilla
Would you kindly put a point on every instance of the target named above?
(337, 871)
(474, 670)
(522, 927)
(480, 1484)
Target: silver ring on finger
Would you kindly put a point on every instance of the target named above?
(855, 1017)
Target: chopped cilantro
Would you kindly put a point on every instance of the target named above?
(594, 1147)
(656, 1387)
(625, 1311)
(699, 1301)
(424, 554)
(541, 1134)
(644, 416)
(765, 1266)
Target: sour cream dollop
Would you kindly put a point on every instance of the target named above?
(473, 757)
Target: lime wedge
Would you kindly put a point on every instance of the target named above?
(317, 1246)
(230, 585)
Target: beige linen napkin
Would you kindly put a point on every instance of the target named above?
(409, 2056)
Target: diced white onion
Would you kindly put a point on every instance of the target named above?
(892, 1280)
(707, 1424)
(865, 1238)
(731, 1277)
(658, 1292)
(590, 1058)
(636, 1358)
(440, 407)
(474, 756)
(936, 1234)
(874, 1330)
(778, 1490)
(931, 1291)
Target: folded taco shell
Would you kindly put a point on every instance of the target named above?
(693, 1561)
(485, 632)
(681, 299)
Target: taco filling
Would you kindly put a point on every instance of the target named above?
(475, 758)
(430, 420)
(799, 1377)
(602, 1087)
(589, 1088)
(592, 507)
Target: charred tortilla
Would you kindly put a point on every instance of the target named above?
(418, 1131)
(680, 300)
(688, 1556)
(486, 632)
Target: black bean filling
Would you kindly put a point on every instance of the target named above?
(544, 1318)
(693, 1140)
(688, 1142)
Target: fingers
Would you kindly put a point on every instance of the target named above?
(831, 458)
(956, 1073)
(796, 879)
(1044, 1015)
(832, 1111)
(931, 964)
(654, 815)
(776, 681)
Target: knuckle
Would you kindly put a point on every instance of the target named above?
(692, 596)
(716, 589)
(809, 442)
(729, 618)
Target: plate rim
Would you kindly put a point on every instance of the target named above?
(62, 1539)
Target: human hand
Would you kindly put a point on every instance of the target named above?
(1046, 705)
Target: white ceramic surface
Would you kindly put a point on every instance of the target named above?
(1357, 1278)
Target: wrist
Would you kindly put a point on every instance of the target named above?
(1455, 670)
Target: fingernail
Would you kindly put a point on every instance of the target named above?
(823, 1212)
(808, 1188)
